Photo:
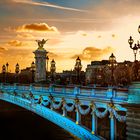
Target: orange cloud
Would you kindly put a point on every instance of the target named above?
(93, 53)
(25, 36)
(15, 43)
(38, 27)
(2, 49)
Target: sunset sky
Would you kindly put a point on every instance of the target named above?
(90, 29)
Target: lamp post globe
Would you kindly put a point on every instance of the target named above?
(17, 68)
(139, 29)
(130, 41)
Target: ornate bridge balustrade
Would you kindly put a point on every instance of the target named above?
(94, 102)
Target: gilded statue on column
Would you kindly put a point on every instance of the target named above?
(41, 43)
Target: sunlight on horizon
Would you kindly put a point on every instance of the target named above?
(94, 41)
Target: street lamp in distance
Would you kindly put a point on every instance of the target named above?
(112, 65)
(17, 72)
(52, 69)
(135, 47)
(78, 67)
(6, 76)
(33, 71)
(4, 72)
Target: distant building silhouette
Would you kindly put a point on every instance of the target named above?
(98, 72)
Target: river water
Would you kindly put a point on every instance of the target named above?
(19, 124)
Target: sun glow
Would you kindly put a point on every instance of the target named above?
(74, 33)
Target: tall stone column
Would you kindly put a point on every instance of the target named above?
(40, 62)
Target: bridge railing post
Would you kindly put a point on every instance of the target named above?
(94, 123)
(31, 87)
(63, 108)
(15, 86)
(110, 92)
(112, 126)
(51, 88)
(114, 92)
(92, 91)
(76, 90)
(1, 86)
(64, 90)
(64, 112)
(78, 115)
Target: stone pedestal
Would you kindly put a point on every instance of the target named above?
(40, 62)
(133, 112)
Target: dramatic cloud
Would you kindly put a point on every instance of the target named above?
(15, 43)
(47, 4)
(3, 49)
(93, 53)
(39, 27)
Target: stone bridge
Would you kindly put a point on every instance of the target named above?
(55, 103)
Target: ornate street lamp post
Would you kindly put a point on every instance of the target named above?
(17, 71)
(33, 71)
(52, 69)
(112, 65)
(135, 49)
(78, 67)
(4, 72)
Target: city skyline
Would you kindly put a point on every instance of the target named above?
(88, 29)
